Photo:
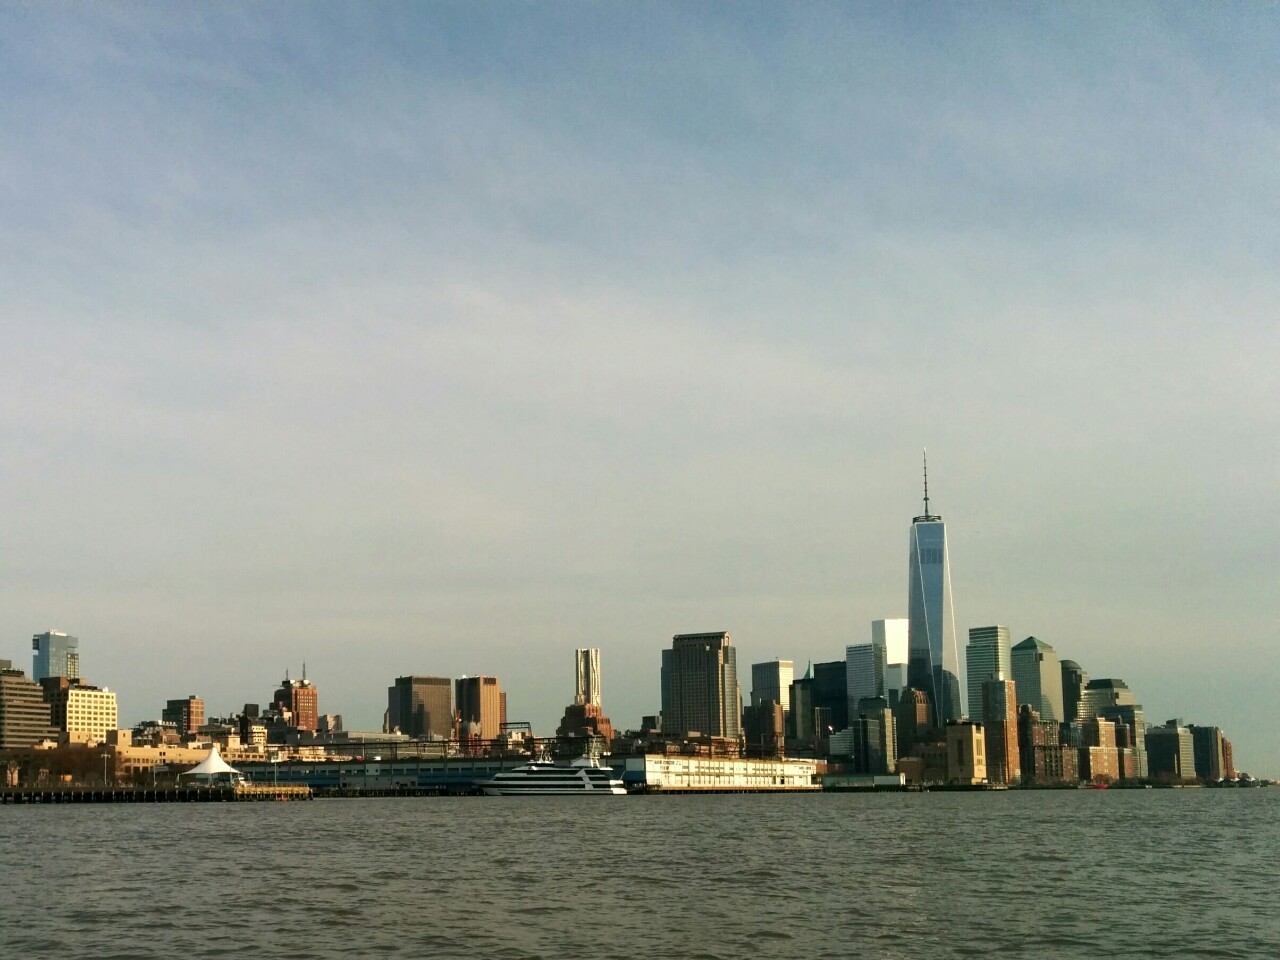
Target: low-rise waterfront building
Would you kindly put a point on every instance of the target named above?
(933, 759)
(666, 774)
(966, 754)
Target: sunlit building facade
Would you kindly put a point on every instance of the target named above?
(771, 681)
(586, 661)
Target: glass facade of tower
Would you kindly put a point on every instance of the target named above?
(986, 658)
(56, 655)
(933, 663)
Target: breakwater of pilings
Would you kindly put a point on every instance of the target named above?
(107, 794)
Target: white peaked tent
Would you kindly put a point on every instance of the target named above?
(212, 769)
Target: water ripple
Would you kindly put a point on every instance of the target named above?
(1055, 874)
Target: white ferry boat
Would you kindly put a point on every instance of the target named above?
(544, 778)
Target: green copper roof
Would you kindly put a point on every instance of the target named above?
(1032, 643)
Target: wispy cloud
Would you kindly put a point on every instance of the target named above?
(447, 340)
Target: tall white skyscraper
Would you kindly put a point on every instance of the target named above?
(892, 635)
(587, 662)
(933, 663)
(986, 658)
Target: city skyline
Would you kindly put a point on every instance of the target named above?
(705, 699)
(436, 341)
(1042, 686)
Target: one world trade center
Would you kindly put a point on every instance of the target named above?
(933, 659)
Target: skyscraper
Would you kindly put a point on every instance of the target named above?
(933, 663)
(831, 696)
(800, 725)
(1074, 680)
(704, 686)
(421, 707)
(664, 689)
(999, 706)
(865, 665)
(587, 685)
(1208, 749)
(1038, 675)
(772, 680)
(301, 699)
(56, 655)
(1171, 754)
(985, 658)
(481, 708)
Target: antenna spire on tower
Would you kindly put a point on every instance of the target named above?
(925, 453)
(926, 517)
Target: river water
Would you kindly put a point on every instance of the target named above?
(1154, 873)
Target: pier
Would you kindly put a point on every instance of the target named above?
(107, 794)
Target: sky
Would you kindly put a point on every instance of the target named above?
(447, 338)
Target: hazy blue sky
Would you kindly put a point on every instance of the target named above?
(445, 339)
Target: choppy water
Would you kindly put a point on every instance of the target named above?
(1037, 874)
